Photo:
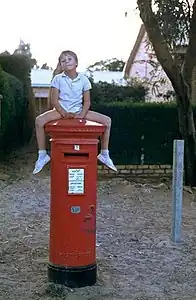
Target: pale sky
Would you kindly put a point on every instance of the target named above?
(94, 29)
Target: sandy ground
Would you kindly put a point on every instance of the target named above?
(135, 255)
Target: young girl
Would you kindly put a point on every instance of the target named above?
(70, 97)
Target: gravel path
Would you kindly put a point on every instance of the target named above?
(136, 258)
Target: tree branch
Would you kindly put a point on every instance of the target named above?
(190, 57)
(189, 9)
(159, 44)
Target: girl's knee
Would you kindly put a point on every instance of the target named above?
(39, 121)
(107, 121)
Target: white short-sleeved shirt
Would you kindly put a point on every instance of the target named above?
(71, 91)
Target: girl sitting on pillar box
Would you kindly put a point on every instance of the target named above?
(70, 97)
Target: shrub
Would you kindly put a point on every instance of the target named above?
(104, 92)
(20, 67)
(12, 98)
(141, 129)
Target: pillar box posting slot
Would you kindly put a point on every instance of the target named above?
(72, 246)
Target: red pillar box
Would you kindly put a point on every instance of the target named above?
(72, 250)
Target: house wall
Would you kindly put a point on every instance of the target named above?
(154, 75)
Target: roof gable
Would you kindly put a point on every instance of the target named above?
(135, 49)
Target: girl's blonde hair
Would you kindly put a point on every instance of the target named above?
(59, 70)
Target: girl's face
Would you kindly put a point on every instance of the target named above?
(68, 62)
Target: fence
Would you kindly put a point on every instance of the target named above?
(41, 105)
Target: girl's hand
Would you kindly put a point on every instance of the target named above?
(80, 116)
(67, 115)
(71, 115)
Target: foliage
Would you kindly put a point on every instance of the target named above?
(19, 67)
(45, 66)
(174, 18)
(113, 65)
(171, 29)
(104, 92)
(25, 50)
(5, 53)
(141, 132)
(12, 104)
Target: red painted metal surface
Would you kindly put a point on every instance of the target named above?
(73, 192)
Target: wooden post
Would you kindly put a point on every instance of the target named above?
(177, 193)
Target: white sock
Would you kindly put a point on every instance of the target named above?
(105, 153)
(41, 154)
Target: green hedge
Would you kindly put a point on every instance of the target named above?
(21, 94)
(104, 92)
(11, 104)
(7, 104)
(151, 127)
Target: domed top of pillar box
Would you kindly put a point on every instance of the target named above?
(74, 128)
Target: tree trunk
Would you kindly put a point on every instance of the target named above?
(181, 80)
(193, 88)
(187, 130)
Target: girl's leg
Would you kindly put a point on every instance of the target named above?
(105, 120)
(40, 122)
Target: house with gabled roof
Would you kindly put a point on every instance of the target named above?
(143, 65)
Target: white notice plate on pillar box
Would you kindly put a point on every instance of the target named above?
(75, 181)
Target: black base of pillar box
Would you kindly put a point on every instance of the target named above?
(73, 277)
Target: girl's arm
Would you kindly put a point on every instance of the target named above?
(86, 104)
(54, 100)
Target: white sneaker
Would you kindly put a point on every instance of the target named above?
(107, 161)
(40, 163)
